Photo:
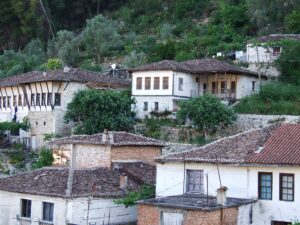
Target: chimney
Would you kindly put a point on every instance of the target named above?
(66, 69)
(123, 181)
(105, 136)
(221, 195)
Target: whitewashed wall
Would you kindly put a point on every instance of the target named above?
(76, 211)
(244, 86)
(242, 183)
(265, 54)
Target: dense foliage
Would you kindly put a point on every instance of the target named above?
(93, 111)
(13, 127)
(274, 98)
(206, 112)
(86, 33)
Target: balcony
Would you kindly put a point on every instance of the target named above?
(223, 94)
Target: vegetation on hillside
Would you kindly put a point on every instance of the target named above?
(87, 33)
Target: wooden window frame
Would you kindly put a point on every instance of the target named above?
(44, 216)
(253, 85)
(8, 101)
(214, 90)
(15, 103)
(147, 83)
(180, 84)
(223, 89)
(4, 103)
(281, 175)
(38, 99)
(156, 108)
(156, 83)
(20, 103)
(201, 181)
(57, 99)
(146, 106)
(43, 102)
(49, 99)
(139, 83)
(165, 83)
(26, 213)
(259, 185)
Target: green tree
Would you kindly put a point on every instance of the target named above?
(206, 113)
(289, 62)
(54, 64)
(93, 111)
(292, 22)
(100, 36)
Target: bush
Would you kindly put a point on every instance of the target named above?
(45, 159)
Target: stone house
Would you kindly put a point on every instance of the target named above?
(160, 86)
(84, 191)
(43, 97)
(266, 53)
(88, 151)
(260, 168)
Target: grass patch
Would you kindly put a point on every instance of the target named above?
(275, 98)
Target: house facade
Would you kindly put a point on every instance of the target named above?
(261, 165)
(82, 190)
(42, 97)
(266, 52)
(160, 86)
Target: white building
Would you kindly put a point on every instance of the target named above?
(261, 164)
(159, 86)
(264, 54)
(102, 168)
(43, 97)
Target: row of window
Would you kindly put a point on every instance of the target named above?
(47, 210)
(195, 183)
(156, 86)
(156, 106)
(35, 100)
(286, 186)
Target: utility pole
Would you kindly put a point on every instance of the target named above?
(48, 20)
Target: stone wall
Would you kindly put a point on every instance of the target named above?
(139, 153)
(150, 215)
(249, 121)
(89, 156)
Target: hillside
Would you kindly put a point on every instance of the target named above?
(132, 32)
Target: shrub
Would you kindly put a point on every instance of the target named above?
(45, 159)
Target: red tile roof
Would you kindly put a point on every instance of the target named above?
(276, 144)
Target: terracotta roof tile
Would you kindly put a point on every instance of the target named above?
(65, 183)
(277, 144)
(75, 75)
(115, 138)
(278, 37)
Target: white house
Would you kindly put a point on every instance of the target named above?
(102, 168)
(261, 165)
(266, 52)
(43, 97)
(159, 86)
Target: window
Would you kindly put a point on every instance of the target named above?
(15, 100)
(145, 106)
(204, 88)
(38, 99)
(223, 87)
(280, 223)
(25, 100)
(20, 100)
(180, 84)
(48, 211)
(8, 101)
(276, 51)
(43, 99)
(253, 85)
(32, 100)
(197, 79)
(287, 187)
(25, 208)
(265, 186)
(232, 86)
(168, 218)
(57, 98)
(214, 87)
(156, 83)
(156, 108)
(0, 103)
(147, 83)
(4, 102)
(194, 181)
(165, 83)
(49, 99)
(138, 83)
